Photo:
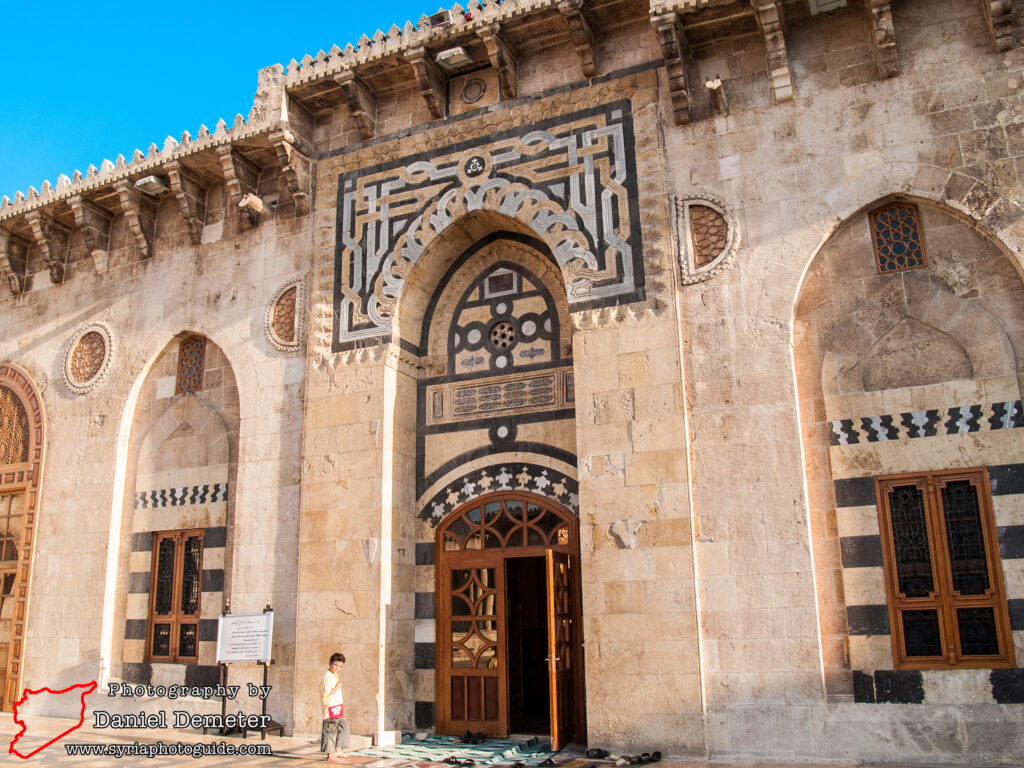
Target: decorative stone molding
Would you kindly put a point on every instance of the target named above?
(883, 35)
(284, 321)
(361, 102)
(296, 167)
(190, 194)
(999, 18)
(241, 177)
(14, 261)
(52, 239)
(707, 236)
(583, 32)
(140, 213)
(772, 21)
(94, 224)
(87, 358)
(676, 53)
(429, 78)
(503, 58)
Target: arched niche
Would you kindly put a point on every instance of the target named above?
(877, 354)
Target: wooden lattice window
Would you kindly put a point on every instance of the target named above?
(947, 601)
(191, 360)
(175, 589)
(896, 235)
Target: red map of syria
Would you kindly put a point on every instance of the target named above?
(86, 689)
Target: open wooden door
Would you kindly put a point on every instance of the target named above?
(560, 648)
(472, 652)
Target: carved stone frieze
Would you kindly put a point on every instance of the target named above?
(140, 214)
(190, 194)
(999, 18)
(676, 53)
(361, 102)
(93, 222)
(241, 177)
(52, 239)
(883, 35)
(87, 358)
(14, 261)
(503, 58)
(772, 21)
(583, 32)
(429, 78)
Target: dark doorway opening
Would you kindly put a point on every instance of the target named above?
(528, 684)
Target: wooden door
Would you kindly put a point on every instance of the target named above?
(11, 538)
(560, 590)
(471, 635)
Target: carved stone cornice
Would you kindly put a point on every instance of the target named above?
(52, 239)
(677, 55)
(583, 32)
(94, 224)
(190, 193)
(999, 18)
(361, 103)
(883, 35)
(241, 177)
(140, 214)
(296, 168)
(503, 58)
(429, 78)
(14, 260)
(772, 21)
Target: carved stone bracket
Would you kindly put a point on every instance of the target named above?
(241, 177)
(140, 214)
(94, 224)
(52, 239)
(583, 32)
(771, 21)
(14, 260)
(190, 193)
(429, 78)
(883, 34)
(999, 18)
(503, 58)
(676, 54)
(361, 102)
(296, 167)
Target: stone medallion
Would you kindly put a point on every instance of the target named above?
(88, 358)
(707, 236)
(283, 321)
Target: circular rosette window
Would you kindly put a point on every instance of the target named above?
(283, 321)
(708, 237)
(87, 358)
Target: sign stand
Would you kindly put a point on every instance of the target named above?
(224, 684)
(273, 725)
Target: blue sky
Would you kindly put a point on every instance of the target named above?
(88, 81)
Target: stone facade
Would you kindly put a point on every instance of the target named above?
(695, 274)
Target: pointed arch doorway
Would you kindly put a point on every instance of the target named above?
(510, 645)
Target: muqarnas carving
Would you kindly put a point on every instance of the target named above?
(707, 236)
(88, 358)
(283, 322)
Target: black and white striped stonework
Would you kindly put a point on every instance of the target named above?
(957, 420)
(183, 496)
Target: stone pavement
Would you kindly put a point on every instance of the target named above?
(284, 751)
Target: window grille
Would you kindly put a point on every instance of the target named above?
(896, 234)
(947, 603)
(191, 359)
(175, 596)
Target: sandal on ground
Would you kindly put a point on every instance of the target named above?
(453, 760)
(597, 754)
(655, 757)
(547, 763)
(645, 758)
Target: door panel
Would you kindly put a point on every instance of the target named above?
(471, 632)
(560, 647)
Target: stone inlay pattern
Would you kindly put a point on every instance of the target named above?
(87, 358)
(283, 322)
(707, 237)
(183, 496)
(570, 179)
(525, 393)
(13, 428)
(532, 478)
(957, 420)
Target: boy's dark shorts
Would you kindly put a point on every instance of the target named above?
(334, 734)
